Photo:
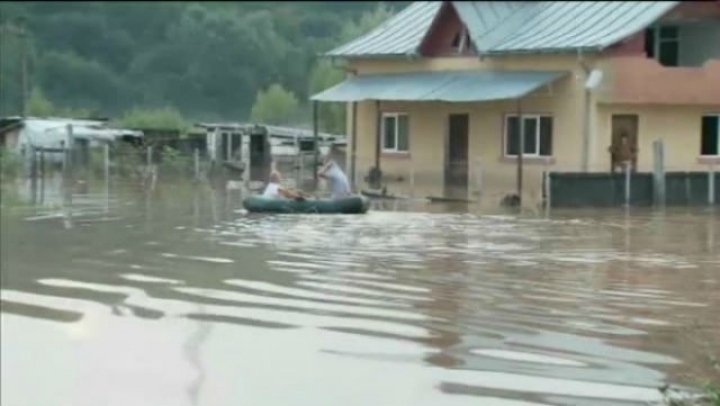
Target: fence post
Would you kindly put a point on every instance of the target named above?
(479, 174)
(68, 164)
(546, 184)
(711, 185)
(628, 189)
(197, 163)
(412, 179)
(42, 176)
(33, 173)
(106, 147)
(659, 172)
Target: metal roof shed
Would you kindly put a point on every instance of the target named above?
(440, 86)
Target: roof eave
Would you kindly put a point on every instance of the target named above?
(543, 51)
(396, 56)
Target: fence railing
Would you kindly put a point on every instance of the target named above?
(117, 167)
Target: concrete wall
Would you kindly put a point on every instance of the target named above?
(669, 102)
(678, 127)
(699, 42)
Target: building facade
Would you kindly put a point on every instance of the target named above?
(434, 94)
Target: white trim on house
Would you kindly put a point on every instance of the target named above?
(506, 128)
(396, 116)
(717, 142)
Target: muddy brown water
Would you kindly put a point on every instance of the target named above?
(183, 299)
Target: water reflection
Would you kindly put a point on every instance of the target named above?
(411, 306)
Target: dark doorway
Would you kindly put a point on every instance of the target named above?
(260, 155)
(624, 126)
(456, 166)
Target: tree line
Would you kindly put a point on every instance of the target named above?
(196, 60)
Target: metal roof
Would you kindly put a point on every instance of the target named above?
(558, 26)
(447, 86)
(273, 131)
(399, 35)
(514, 26)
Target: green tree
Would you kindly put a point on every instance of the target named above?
(38, 105)
(164, 118)
(325, 74)
(274, 106)
(331, 116)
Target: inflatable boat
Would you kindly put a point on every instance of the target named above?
(348, 205)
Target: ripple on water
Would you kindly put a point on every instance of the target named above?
(498, 310)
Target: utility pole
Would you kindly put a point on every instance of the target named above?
(23, 69)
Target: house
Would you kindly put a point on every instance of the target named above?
(227, 139)
(437, 91)
(20, 134)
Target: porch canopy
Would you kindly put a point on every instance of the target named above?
(446, 86)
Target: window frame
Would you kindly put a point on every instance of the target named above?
(396, 116)
(659, 41)
(536, 117)
(717, 145)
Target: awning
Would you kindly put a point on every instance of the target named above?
(447, 86)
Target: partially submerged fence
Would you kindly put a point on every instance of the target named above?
(631, 189)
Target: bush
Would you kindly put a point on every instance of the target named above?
(11, 164)
(174, 163)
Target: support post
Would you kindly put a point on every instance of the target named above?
(521, 147)
(107, 177)
(42, 176)
(33, 173)
(196, 154)
(68, 164)
(376, 174)
(316, 142)
(586, 130)
(353, 145)
(628, 189)
(659, 172)
(546, 184)
(23, 72)
(479, 181)
(711, 185)
(149, 157)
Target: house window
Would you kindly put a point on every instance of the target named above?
(662, 43)
(395, 132)
(537, 135)
(710, 136)
(461, 41)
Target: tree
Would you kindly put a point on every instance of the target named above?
(331, 116)
(38, 105)
(164, 119)
(325, 75)
(274, 106)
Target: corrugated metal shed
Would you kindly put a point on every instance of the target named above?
(447, 86)
(514, 27)
(400, 35)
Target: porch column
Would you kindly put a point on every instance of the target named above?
(375, 174)
(586, 131)
(353, 144)
(521, 125)
(315, 141)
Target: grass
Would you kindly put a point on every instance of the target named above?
(712, 391)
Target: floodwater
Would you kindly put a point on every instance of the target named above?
(183, 299)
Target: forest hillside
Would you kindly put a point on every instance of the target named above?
(197, 60)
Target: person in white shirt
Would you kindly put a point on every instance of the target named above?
(338, 182)
(276, 191)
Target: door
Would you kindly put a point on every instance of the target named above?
(456, 163)
(624, 125)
